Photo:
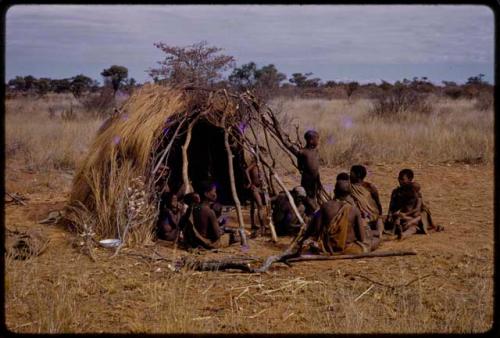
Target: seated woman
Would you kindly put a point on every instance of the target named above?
(202, 229)
(171, 212)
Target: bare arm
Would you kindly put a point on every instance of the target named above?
(213, 224)
(293, 148)
(392, 203)
(314, 225)
(247, 172)
(359, 225)
(415, 212)
(376, 198)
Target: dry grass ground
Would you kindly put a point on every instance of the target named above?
(447, 287)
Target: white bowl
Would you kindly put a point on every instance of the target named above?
(110, 243)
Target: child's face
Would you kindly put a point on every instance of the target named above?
(211, 195)
(173, 202)
(403, 180)
(313, 141)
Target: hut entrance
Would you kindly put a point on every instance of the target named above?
(208, 162)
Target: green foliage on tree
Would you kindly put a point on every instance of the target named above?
(303, 81)
(80, 84)
(116, 76)
(198, 64)
(263, 81)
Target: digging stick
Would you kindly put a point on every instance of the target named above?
(233, 188)
(351, 256)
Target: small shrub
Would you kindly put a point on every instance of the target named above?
(484, 101)
(400, 99)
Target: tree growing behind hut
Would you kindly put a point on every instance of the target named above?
(198, 65)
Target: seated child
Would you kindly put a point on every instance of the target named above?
(402, 205)
(284, 218)
(171, 212)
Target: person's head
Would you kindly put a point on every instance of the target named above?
(169, 200)
(405, 177)
(342, 189)
(209, 191)
(343, 177)
(191, 198)
(299, 193)
(312, 138)
(358, 173)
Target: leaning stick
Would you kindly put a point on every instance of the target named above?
(185, 160)
(350, 256)
(233, 188)
(290, 198)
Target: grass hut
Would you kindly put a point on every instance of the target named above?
(199, 134)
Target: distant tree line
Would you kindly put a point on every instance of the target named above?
(202, 65)
(115, 77)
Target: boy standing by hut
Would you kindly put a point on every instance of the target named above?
(257, 198)
(308, 163)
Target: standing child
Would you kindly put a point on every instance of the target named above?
(255, 185)
(308, 164)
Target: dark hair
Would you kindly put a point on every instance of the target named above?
(167, 196)
(206, 186)
(310, 134)
(189, 198)
(406, 172)
(359, 171)
(342, 188)
(343, 176)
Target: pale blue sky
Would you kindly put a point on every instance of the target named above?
(363, 43)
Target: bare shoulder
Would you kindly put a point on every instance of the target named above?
(370, 186)
(416, 186)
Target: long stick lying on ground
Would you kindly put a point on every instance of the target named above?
(302, 258)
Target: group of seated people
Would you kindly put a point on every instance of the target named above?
(352, 221)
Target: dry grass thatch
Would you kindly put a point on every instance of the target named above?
(133, 142)
(120, 153)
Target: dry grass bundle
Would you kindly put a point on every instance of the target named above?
(120, 154)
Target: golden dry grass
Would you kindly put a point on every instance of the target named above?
(453, 131)
(452, 290)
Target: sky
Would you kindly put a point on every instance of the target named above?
(341, 43)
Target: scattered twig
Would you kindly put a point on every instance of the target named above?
(392, 287)
(364, 293)
(19, 199)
